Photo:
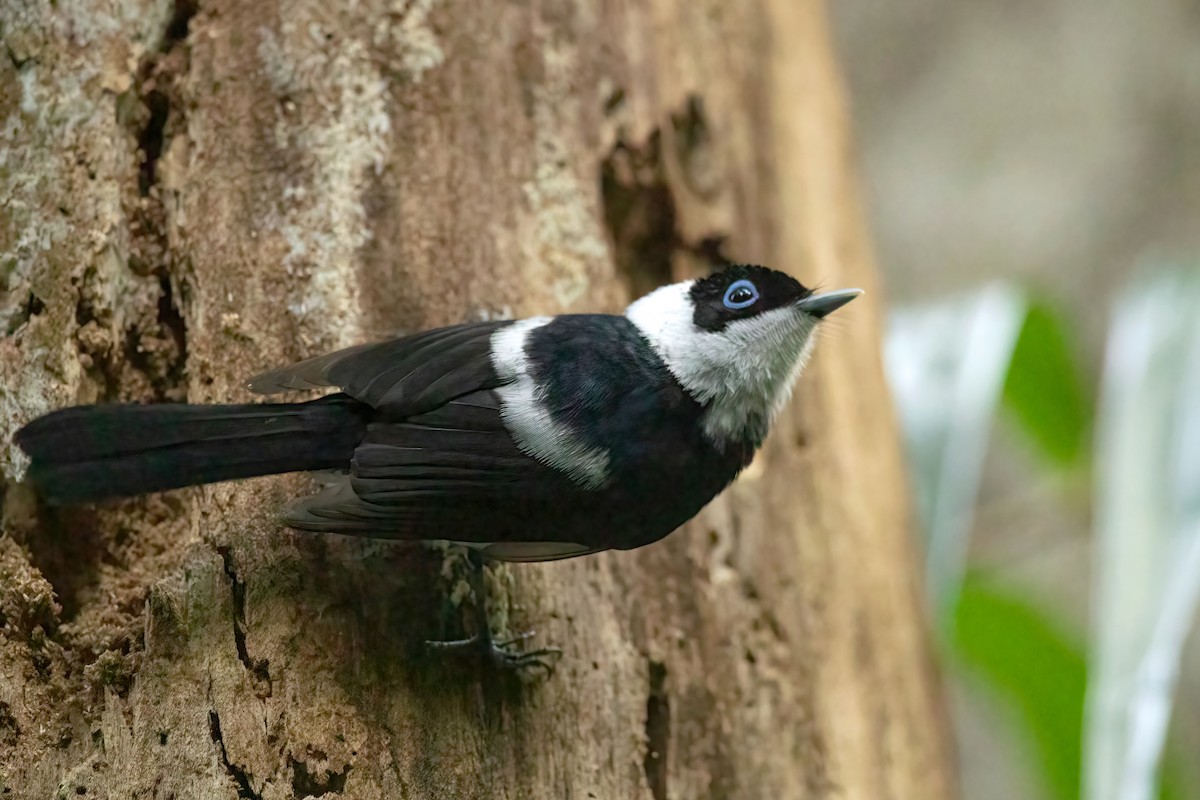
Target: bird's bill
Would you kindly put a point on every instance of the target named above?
(819, 305)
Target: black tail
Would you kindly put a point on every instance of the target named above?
(91, 452)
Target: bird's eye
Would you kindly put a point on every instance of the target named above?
(740, 294)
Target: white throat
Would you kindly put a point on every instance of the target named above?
(743, 375)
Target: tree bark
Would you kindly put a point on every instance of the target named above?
(191, 192)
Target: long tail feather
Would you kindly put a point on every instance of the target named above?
(91, 452)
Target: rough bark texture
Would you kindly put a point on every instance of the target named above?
(191, 192)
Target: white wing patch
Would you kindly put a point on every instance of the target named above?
(743, 374)
(529, 421)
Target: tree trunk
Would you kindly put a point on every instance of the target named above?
(193, 192)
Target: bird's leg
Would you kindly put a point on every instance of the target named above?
(499, 653)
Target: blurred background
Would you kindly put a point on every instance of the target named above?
(1032, 173)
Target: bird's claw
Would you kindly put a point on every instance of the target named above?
(514, 639)
(543, 658)
(501, 654)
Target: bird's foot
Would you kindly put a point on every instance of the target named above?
(503, 654)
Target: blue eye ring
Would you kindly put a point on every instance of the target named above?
(739, 288)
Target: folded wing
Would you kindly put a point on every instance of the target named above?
(400, 377)
(452, 474)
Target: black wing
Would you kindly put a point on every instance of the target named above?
(400, 377)
(438, 463)
(455, 474)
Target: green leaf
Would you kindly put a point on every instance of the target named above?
(1171, 778)
(1033, 664)
(1045, 390)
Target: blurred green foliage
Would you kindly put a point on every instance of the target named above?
(1037, 668)
(1034, 663)
(1044, 388)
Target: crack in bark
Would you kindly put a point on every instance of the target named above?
(10, 731)
(153, 126)
(658, 731)
(238, 774)
(29, 309)
(640, 207)
(18, 61)
(151, 138)
(692, 138)
(710, 250)
(259, 669)
(639, 212)
(157, 101)
(305, 784)
(181, 18)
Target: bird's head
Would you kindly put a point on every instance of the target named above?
(736, 341)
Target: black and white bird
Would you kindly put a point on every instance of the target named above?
(529, 440)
